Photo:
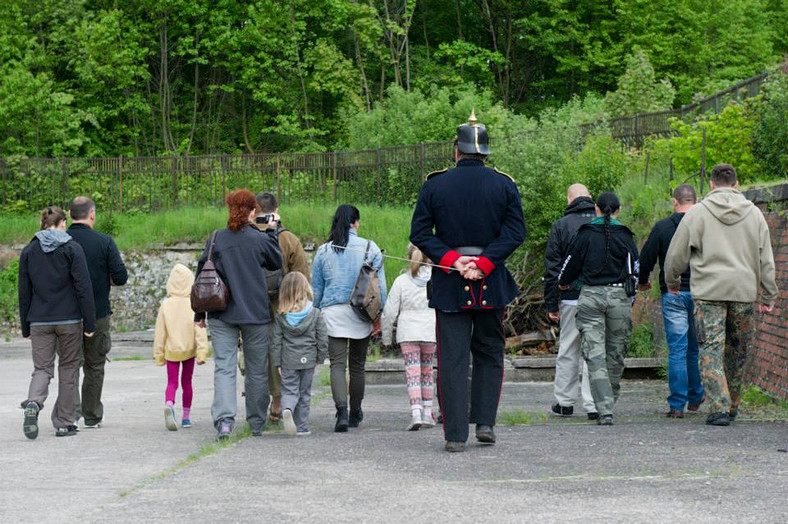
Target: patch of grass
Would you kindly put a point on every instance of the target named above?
(131, 358)
(206, 450)
(323, 378)
(756, 398)
(519, 417)
(641, 341)
(388, 226)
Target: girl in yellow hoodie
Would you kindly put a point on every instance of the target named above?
(178, 340)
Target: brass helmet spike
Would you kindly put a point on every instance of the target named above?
(472, 119)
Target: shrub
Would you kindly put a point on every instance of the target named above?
(770, 134)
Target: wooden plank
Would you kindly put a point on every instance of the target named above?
(533, 338)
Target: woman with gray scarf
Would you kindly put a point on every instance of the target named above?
(56, 307)
(407, 306)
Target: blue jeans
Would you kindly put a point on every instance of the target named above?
(225, 338)
(683, 374)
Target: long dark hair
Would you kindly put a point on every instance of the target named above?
(345, 216)
(608, 203)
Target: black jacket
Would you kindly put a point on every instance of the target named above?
(656, 248)
(55, 286)
(104, 263)
(241, 258)
(469, 206)
(579, 212)
(597, 261)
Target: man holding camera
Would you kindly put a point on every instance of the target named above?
(293, 259)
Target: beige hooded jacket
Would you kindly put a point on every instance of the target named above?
(725, 241)
(177, 337)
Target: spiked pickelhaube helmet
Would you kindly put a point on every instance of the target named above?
(472, 137)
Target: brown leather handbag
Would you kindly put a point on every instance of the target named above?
(209, 292)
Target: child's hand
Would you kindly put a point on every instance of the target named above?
(200, 362)
(279, 369)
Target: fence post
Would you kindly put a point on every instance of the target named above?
(64, 184)
(224, 178)
(278, 178)
(702, 160)
(333, 162)
(421, 164)
(174, 168)
(120, 182)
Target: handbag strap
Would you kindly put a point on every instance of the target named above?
(213, 241)
(366, 251)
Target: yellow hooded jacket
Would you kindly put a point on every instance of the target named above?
(177, 337)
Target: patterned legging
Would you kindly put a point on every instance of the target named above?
(418, 370)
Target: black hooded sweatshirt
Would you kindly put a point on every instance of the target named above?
(579, 212)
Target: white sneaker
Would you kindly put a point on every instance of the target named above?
(290, 427)
(427, 421)
(303, 433)
(415, 423)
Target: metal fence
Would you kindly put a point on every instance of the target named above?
(390, 175)
(387, 175)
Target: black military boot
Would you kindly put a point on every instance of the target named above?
(356, 416)
(342, 421)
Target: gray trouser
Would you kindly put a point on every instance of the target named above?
(225, 339)
(45, 341)
(297, 394)
(353, 353)
(567, 387)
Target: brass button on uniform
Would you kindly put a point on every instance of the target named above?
(484, 287)
(484, 302)
(469, 302)
(467, 288)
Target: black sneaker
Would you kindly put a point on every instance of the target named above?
(224, 430)
(68, 431)
(718, 419)
(485, 434)
(30, 426)
(605, 420)
(355, 418)
(342, 421)
(593, 415)
(563, 411)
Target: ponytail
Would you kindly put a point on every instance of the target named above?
(344, 217)
(52, 216)
(608, 203)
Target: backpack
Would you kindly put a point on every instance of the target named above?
(273, 277)
(365, 298)
(209, 292)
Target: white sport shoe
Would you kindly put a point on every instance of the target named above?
(169, 418)
(290, 427)
(427, 421)
(303, 433)
(415, 423)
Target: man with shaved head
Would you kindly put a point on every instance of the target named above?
(106, 269)
(562, 307)
(684, 381)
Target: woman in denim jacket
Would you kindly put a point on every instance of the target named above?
(334, 272)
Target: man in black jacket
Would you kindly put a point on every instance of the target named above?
(106, 269)
(562, 306)
(684, 379)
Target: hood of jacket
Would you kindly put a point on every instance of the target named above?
(51, 239)
(422, 277)
(303, 326)
(180, 282)
(580, 205)
(727, 205)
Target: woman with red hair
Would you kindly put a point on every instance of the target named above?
(241, 253)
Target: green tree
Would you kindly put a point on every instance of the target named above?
(639, 91)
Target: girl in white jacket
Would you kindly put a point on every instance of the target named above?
(407, 307)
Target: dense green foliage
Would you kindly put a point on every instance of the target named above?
(770, 133)
(152, 77)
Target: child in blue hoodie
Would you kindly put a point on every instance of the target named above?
(300, 343)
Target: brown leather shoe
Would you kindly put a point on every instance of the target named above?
(695, 407)
(455, 446)
(675, 413)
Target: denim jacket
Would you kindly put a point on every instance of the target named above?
(334, 274)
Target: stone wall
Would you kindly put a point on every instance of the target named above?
(767, 365)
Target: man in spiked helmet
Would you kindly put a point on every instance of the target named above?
(469, 219)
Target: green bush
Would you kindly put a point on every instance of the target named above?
(9, 294)
(770, 136)
(641, 341)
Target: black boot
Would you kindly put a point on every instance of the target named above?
(356, 416)
(342, 421)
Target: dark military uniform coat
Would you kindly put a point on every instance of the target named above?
(469, 205)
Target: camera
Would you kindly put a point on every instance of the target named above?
(263, 219)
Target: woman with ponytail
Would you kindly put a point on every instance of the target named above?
(602, 256)
(334, 271)
(56, 307)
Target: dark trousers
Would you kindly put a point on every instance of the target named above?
(94, 352)
(478, 333)
(354, 353)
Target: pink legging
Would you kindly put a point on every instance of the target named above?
(186, 381)
(418, 370)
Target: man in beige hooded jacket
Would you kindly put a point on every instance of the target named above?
(725, 242)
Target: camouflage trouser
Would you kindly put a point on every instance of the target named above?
(604, 319)
(723, 335)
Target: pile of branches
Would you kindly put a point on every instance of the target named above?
(527, 313)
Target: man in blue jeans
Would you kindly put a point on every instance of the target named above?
(677, 310)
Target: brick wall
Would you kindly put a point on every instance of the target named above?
(767, 365)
